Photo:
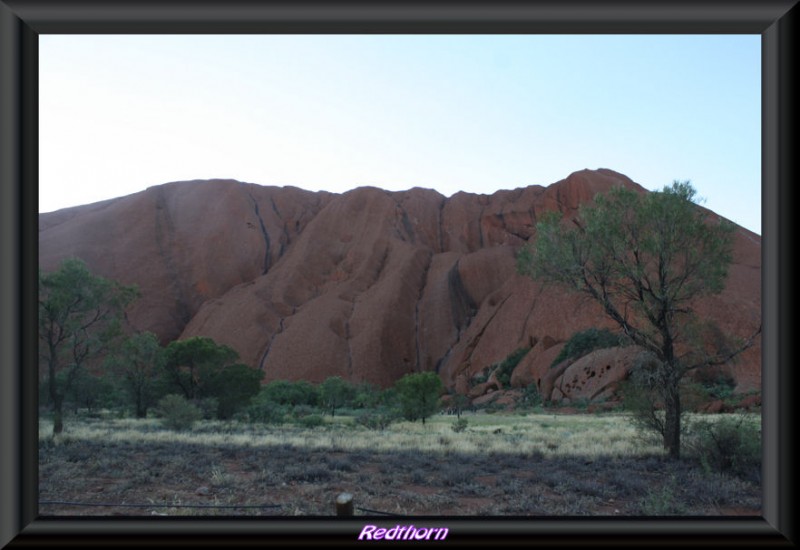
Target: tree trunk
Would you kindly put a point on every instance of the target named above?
(58, 421)
(672, 421)
(141, 410)
(55, 399)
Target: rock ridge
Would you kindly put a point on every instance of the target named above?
(368, 284)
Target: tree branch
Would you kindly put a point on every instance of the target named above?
(721, 359)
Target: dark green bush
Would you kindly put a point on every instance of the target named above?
(459, 425)
(366, 396)
(300, 411)
(265, 411)
(233, 388)
(418, 395)
(335, 393)
(586, 341)
(481, 377)
(284, 392)
(177, 413)
(378, 419)
(531, 398)
(311, 421)
(730, 444)
(717, 382)
(504, 369)
(207, 406)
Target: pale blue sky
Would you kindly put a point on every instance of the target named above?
(473, 113)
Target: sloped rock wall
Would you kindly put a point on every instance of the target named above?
(368, 285)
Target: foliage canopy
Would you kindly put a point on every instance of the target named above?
(80, 317)
(644, 258)
(418, 395)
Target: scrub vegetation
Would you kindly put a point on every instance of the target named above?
(534, 464)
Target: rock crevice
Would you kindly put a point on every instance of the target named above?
(264, 234)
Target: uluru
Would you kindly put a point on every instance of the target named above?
(370, 284)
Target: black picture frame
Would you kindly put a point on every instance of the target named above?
(21, 21)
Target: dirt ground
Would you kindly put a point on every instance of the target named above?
(158, 479)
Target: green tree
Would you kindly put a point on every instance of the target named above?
(284, 392)
(233, 387)
(367, 396)
(177, 412)
(91, 392)
(192, 364)
(645, 257)
(460, 402)
(418, 394)
(79, 318)
(139, 364)
(205, 372)
(335, 392)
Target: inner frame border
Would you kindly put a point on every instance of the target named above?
(22, 21)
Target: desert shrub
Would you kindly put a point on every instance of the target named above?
(481, 377)
(177, 413)
(502, 370)
(644, 396)
(233, 388)
(586, 341)
(89, 391)
(662, 501)
(459, 425)
(335, 392)
(505, 367)
(489, 408)
(311, 421)
(208, 407)
(341, 464)
(730, 444)
(366, 396)
(307, 472)
(265, 411)
(457, 476)
(717, 382)
(284, 392)
(531, 398)
(378, 419)
(458, 402)
(300, 411)
(581, 403)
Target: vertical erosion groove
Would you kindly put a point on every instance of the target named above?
(422, 284)
(477, 338)
(347, 336)
(165, 231)
(271, 340)
(263, 233)
(284, 240)
(463, 307)
(530, 311)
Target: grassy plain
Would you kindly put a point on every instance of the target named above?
(501, 464)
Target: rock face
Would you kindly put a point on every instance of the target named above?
(368, 285)
(593, 377)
